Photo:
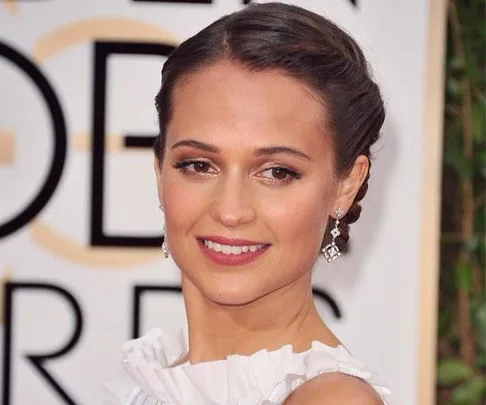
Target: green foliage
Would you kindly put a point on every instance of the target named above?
(451, 372)
(479, 320)
(464, 276)
(469, 393)
(462, 299)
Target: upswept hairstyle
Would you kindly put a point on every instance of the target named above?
(304, 46)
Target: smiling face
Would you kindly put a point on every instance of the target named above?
(247, 171)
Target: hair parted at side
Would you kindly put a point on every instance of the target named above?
(307, 47)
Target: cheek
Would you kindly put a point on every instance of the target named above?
(302, 211)
(183, 204)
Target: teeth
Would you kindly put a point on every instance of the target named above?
(231, 250)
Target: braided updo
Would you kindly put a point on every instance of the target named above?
(307, 47)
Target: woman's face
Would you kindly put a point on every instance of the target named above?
(246, 183)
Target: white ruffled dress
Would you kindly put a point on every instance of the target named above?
(263, 378)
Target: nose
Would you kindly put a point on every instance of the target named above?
(232, 205)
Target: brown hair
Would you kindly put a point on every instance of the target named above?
(307, 47)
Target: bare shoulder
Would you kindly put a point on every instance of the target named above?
(334, 389)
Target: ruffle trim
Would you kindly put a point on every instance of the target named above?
(263, 378)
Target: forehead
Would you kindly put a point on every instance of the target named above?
(227, 103)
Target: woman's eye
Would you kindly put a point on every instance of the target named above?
(280, 174)
(195, 166)
(201, 167)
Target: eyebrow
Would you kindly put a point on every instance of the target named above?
(273, 150)
(196, 144)
(266, 151)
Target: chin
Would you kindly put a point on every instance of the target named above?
(231, 297)
(242, 295)
(235, 302)
(234, 292)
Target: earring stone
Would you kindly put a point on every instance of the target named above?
(331, 251)
(165, 248)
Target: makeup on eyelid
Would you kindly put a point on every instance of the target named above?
(200, 165)
(263, 151)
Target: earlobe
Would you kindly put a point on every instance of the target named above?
(156, 166)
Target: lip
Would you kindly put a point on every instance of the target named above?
(231, 260)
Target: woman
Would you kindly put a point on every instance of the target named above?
(266, 120)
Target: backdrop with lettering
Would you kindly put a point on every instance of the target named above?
(80, 229)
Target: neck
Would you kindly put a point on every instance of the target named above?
(286, 316)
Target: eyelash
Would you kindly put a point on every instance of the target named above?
(291, 174)
(185, 164)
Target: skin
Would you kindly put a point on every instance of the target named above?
(334, 389)
(233, 190)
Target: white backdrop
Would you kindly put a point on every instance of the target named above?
(376, 287)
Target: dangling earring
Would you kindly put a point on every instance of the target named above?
(331, 251)
(165, 247)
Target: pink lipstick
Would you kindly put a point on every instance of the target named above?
(231, 252)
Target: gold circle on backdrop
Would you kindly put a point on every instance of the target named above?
(7, 147)
(98, 28)
(71, 250)
(11, 6)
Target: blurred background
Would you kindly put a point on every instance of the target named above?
(80, 230)
(462, 298)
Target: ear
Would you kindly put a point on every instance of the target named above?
(349, 186)
(158, 176)
(157, 169)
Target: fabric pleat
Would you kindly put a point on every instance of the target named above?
(263, 378)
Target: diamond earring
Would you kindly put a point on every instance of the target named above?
(331, 251)
(165, 247)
